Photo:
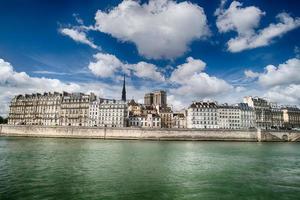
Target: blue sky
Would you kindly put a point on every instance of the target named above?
(221, 50)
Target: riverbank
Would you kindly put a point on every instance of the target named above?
(150, 134)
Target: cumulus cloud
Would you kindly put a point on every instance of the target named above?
(13, 83)
(183, 72)
(107, 65)
(285, 94)
(78, 36)
(241, 20)
(159, 28)
(146, 70)
(245, 20)
(286, 73)
(251, 74)
(194, 82)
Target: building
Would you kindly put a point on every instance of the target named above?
(113, 113)
(262, 109)
(35, 109)
(276, 116)
(291, 117)
(94, 113)
(160, 98)
(229, 117)
(134, 108)
(247, 116)
(124, 91)
(148, 99)
(179, 120)
(166, 116)
(156, 98)
(203, 115)
(75, 109)
(145, 121)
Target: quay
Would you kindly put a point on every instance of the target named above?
(253, 135)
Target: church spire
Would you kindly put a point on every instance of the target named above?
(124, 90)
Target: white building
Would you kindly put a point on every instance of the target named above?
(179, 120)
(112, 113)
(229, 117)
(94, 113)
(203, 115)
(145, 121)
(247, 116)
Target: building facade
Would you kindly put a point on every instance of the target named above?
(75, 109)
(262, 109)
(94, 113)
(247, 116)
(291, 117)
(229, 117)
(113, 113)
(145, 121)
(202, 115)
(179, 120)
(35, 109)
(276, 116)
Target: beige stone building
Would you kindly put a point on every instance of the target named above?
(156, 98)
(35, 109)
(291, 117)
(112, 113)
(166, 116)
(262, 109)
(277, 116)
(75, 109)
(179, 120)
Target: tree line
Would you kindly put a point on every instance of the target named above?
(3, 120)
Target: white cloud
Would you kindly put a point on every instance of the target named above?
(251, 74)
(245, 20)
(285, 94)
(195, 83)
(13, 83)
(187, 70)
(146, 70)
(286, 73)
(106, 65)
(242, 20)
(78, 36)
(159, 29)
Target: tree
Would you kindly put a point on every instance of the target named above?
(3, 120)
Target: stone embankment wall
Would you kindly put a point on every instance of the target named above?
(148, 134)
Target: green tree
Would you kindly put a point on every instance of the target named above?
(3, 120)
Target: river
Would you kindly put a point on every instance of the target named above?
(49, 168)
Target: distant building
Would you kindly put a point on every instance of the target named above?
(262, 109)
(145, 121)
(166, 116)
(75, 109)
(247, 116)
(203, 115)
(134, 108)
(124, 90)
(94, 113)
(148, 99)
(179, 120)
(276, 116)
(291, 117)
(229, 117)
(35, 109)
(156, 98)
(113, 113)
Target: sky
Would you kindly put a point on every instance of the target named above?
(196, 50)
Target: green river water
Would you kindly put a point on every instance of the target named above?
(46, 168)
